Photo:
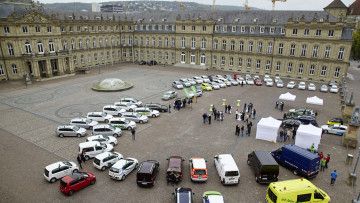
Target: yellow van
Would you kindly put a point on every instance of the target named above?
(298, 190)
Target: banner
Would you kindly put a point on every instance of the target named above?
(193, 88)
(186, 92)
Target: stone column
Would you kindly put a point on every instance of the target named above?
(35, 66)
(48, 68)
(60, 66)
(350, 137)
(71, 66)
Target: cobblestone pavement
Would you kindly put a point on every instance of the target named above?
(29, 117)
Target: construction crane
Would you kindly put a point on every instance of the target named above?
(213, 5)
(273, 1)
(181, 5)
(246, 5)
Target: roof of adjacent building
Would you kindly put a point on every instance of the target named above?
(354, 8)
(336, 4)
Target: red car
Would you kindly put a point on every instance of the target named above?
(76, 181)
(174, 171)
(258, 82)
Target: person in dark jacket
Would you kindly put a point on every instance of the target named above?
(79, 160)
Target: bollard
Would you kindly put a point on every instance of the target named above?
(224, 102)
(349, 159)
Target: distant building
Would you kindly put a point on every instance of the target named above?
(95, 7)
(112, 8)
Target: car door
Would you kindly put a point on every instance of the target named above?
(83, 182)
(127, 168)
(65, 170)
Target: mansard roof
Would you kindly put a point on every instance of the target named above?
(354, 8)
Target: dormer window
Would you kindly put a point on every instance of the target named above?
(255, 20)
(217, 28)
(220, 19)
(252, 29)
(274, 20)
(262, 29)
(237, 19)
(242, 28)
(233, 29)
(283, 31)
(224, 28)
(272, 30)
(321, 19)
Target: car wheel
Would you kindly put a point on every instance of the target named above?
(113, 144)
(115, 135)
(153, 115)
(106, 121)
(325, 131)
(103, 168)
(87, 158)
(92, 182)
(129, 128)
(141, 122)
(75, 171)
(123, 177)
(119, 115)
(256, 179)
(78, 135)
(61, 135)
(52, 180)
(71, 192)
(131, 110)
(295, 172)
(90, 127)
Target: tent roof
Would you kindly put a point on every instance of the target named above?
(270, 121)
(314, 100)
(287, 96)
(309, 129)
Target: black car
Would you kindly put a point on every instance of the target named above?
(264, 166)
(156, 106)
(290, 123)
(147, 173)
(307, 120)
(151, 63)
(183, 194)
(142, 63)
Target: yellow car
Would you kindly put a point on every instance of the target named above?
(334, 121)
(206, 86)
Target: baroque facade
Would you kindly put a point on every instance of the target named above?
(306, 45)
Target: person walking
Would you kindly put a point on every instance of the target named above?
(276, 104)
(226, 108)
(322, 164)
(245, 106)
(284, 116)
(285, 135)
(249, 128)
(334, 175)
(229, 109)
(215, 113)
(254, 113)
(79, 160)
(237, 130)
(204, 117)
(83, 157)
(281, 135)
(236, 114)
(209, 119)
(169, 108)
(218, 115)
(321, 155)
(133, 133)
(327, 160)
(282, 106)
(242, 131)
(247, 118)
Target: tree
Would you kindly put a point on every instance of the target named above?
(355, 48)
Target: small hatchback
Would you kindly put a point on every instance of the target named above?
(123, 168)
(70, 130)
(106, 130)
(59, 169)
(198, 171)
(113, 110)
(106, 160)
(147, 173)
(76, 181)
(174, 171)
(84, 123)
(147, 112)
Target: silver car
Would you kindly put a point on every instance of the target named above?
(84, 123)
(136, 117)
(279, 83)
(113, 110)
(177, 85)
(70, 130)
(198, 80)
(324, 88)
(205, 78)
(185, 82)
(106, 130)
(192, 81)
(233, 82)
(99, 116)
(103, 139)
(215, 85)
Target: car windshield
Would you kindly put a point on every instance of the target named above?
(106, 137)
(67, 163)
(137, 115)
(88, 120)
(167, 94)
(126, 121)
(115, 170)
(76, 128)
(200, 172)
(280, 82)
(291, 83)
(118, 108)
(231, 173)
(110, 127)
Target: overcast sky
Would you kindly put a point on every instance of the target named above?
(262, 4)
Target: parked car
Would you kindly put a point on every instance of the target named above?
(103, 139)
(125, 105)
(258, 82)
(157, 107)
(83, 123)
(206, 86)
(59, 169)
(132, 101)
(302, 86)
(142, 62)
(106, 160)
(147, 112)
(93, 148)
(302, 111)
(267, 78)
(99, 116)
(113, 110)
(198, 171)
(198, 87)
(256, 77)
(334, 129)
(227, 76)
(233, 82)
(264, 166)
(241, 81)
(185, 82)
(76, 181)
(198, 93)
(297, 159)
(123, 168)
(334, 89)
(177, 85)
(106, 130)
(174, 170)
(147, 172)
(212, 197)
(220, 77)
(122, 123)
(324, 88)
(205, 78)
(269, 83)
(280, 83)
(334, 121)
(151, 63)
(169, 95)
(236, 76)
(192, 81)
(247, 76)
(136, 117)
(70, 131)
(311, 87)
(306, 119)
(249, 81)
(291, 85)
(215, 85)
(212, 78)
(183, 195)
(221, 84)
(290, 123)
(277, 78)
(227, 169)
(198, 79)
(332, 82)
(225, 81)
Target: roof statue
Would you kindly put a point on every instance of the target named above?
(351, 102)
(355, 116)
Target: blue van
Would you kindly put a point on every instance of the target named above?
(297, 159)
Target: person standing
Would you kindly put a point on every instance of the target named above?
(247, 118)
(322, 164)
(312, 149)
(237, 130)
(245, 106)
(209, 119)
(229, 109)
(284, 116)
(277, 105)
(327, 160)
(294, 133)
(226, 108)
(242, 131)
(249, 128)
(282, 106)
(79, 160)
(321, 155)
(215, 113)
(334, 175)
(236, 114)
(133, 133)
(83, 157)
(254, 113)
(218, 115)
(204, 118)
(169, 108)
(285, 135)
(281, 135)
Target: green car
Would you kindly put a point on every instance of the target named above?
(300, 112)
(212, 196)
(122, 123)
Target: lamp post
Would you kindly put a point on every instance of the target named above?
(352, 176)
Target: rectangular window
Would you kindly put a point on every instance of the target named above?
(341, 53)
(250, 48)
(242, 28)
(306, 32)
(249, 63)
(259, 47)
(269, 51)
(193, 28)
(37, 29)
(217, 28)
(272, 30)
(290, 67)
(312, 70)
(159, 41)
(204, 28)
(6, 29)
(2, 70)
(252, 29)
(281, 47)
(303, 50)
(183, 27)
(172, 56)
(331, 33)
(233, 29)
(278, 66)
(232, 46)
(323, 71)
(337, 72)
(25, 29)
(267, 66)
(49, 29)
(315, 51)
(222, 60)
(93, 28)
(231, 61)
(241, 46)
(292, 50)
(327, 52)
(14, 69)
(240, 62)
(214, 60)
(99, 28)
(10, 50)
(172, 42)
(63, 29)
(295, 31)
(262, 29)
(258, 63)
(318, 32)
(223, 47)
(283, 31)
(71, 28)
(301, 68)
(193, 43)
(224, 28)
(75, 60)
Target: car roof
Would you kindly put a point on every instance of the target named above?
(95, 137)
(230, 162)
(55, 165)
(104, 154)
(198, 162)
(117, 119)
(147, 167)
(183, 189)
(101, 126)
(94, 113)
(72, 177)
(78, 119)
(89, 144)
(175, 163)
(66, 126)
(265, 157)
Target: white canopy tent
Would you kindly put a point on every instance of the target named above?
(314, 100)
(306, 135)
(267, 129)
(287, 96)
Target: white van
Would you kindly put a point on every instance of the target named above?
(91, 149)
(106, 160)
(227, 169)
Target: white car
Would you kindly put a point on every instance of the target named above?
(192, 81)
(103, 139)
(311, 87)
(225, 81)
(136, 117)
(302, 86)
(334, 129)
(277, 78)
(256, 77)
(215, 85)
(280, 83)
(106, 130)
(106, 160)
(84, 123)
(234, 82)
(99, 116)
(70, 131)
(221, 84)
(205, 78)
(177, 85)
(267, 78)
(92, 149)
(198, 80)
(219, 76)
(212, 197)
(185, 82)
(147, 112)
(249, 81)
(241, 81)
(132, 101)
(324, 88)
(334, 89)
(59, 170)
(113, 110)
(247, 76)
(122, 123)
(269, 83)
(122, 168)
(291, 85)
(126, 106)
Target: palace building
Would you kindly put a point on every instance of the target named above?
(308, 45)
